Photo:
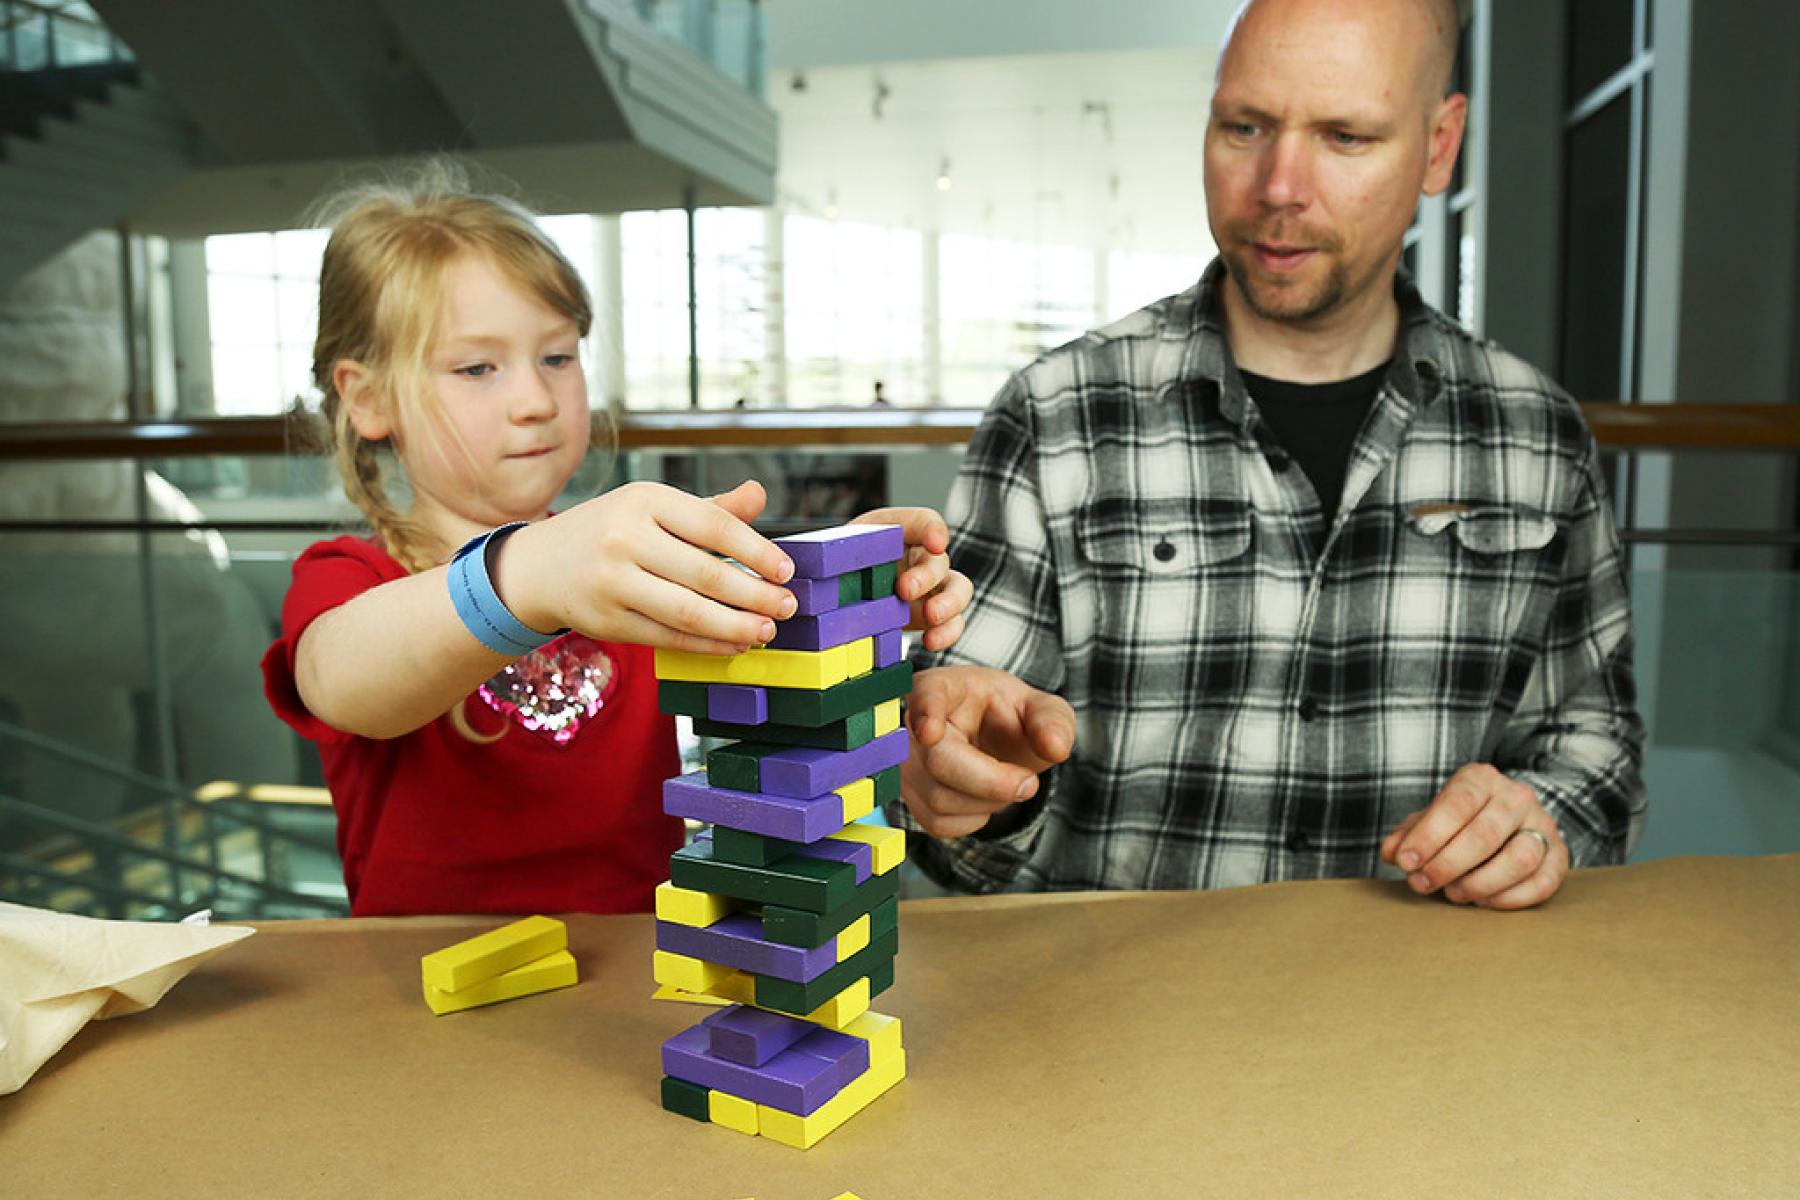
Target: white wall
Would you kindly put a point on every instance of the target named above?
(814, 33)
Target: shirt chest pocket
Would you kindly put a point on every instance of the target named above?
(1163, 572)
(1490, 532)
(1479, 575)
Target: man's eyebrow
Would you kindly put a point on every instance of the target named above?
(1238, 108)
(1366, 121)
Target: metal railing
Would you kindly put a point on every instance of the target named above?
(191, 867)
(44, 37)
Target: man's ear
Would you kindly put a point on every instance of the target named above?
(1444, 140)
(354, 384)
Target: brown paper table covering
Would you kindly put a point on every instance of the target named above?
(1640, 1036)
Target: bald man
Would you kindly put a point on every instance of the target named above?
(1287, 576)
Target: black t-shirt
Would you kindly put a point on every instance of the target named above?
(1317, 423)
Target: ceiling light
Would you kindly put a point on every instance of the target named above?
(943, 179)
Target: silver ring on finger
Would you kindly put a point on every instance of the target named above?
(1542, 840)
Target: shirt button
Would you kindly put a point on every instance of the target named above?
(1279, 462)
(1297, 841)
(1165, 550)
(1309, 708)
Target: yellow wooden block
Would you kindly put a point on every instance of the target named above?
(677, 996)
(684, 906)
(805, 1132)
(888, 844)
(844, 1007)
(688, 974)
(554, 970)
(858, 797)
(887, 717)
(493, 953)
(882, 1032)
(853, 938)
(859, 657)
(812, 669)
(733, 1112)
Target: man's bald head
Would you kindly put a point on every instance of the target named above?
(1439, 25)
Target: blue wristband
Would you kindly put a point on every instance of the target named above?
(473, 596)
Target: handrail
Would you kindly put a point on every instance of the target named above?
(1768, 427)
(100, 835)
(88, 760)
(60, 14)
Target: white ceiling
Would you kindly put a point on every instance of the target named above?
(1098, 149)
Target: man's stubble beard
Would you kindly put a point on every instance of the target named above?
(1298, 309)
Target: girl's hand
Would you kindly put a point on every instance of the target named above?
(638, 565)
(938, 595)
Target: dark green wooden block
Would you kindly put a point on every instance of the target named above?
(688, 1099)
(850, 589)
(798, 706)
(748, 849)
(881, 979)
(786, 996)
(855, 730)
(797, 927)
(815, 885)
(887, 785)
(679, 698)
(738, 766)
(878, 580)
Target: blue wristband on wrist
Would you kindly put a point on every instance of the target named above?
(473, 596)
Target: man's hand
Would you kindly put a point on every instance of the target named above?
(980, 739)
(1483, 840)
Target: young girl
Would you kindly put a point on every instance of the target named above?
(478, 761)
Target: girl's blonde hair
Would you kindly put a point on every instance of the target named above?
(381, 300)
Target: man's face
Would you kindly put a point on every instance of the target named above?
(1324, 131)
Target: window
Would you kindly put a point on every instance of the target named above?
(262, 293)
(1606, 130)
(729, 279)
(854, 310)
(1004, 303)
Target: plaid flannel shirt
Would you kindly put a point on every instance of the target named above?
(1257, 696)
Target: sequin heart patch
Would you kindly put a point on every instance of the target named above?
(554, 690)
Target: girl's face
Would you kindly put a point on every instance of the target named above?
(513, 424)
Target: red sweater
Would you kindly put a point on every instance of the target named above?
(432, 822)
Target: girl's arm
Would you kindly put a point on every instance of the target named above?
(630, 566)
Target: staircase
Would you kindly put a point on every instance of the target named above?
(80, 147)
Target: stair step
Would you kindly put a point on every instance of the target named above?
(114, 137)
(39, 210)
(110, 145)
(142, 126)
(23, 187)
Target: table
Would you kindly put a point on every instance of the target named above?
(1639, 1036)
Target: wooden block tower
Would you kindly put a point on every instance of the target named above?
(787, 907)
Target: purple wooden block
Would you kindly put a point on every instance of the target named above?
(737, 941)
(827, 552)
(813, 596)
(805, 819)
(796, 1083)
(749, 1036)
(801, 771)
(841, 625)
(737, 703)
(860, 855)
(849, 1053)
(888, 648)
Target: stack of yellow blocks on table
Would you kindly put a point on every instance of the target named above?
(520, 959)
(787, 909)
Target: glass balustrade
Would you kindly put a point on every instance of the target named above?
(142, 773)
